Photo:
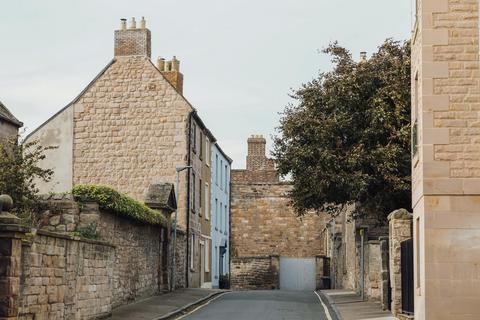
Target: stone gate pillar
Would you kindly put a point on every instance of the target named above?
(400, 229)
(11, 235)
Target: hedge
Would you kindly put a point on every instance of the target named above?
(111, 200)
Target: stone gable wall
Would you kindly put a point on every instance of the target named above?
(130, 130)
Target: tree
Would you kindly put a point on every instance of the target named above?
(19, 172)
(347, 140)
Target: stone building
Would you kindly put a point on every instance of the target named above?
(358, 260)
(9, 125)
(130, 128)
(220, 208)
(271, 247)
(446, 159)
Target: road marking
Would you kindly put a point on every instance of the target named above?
(203, 305)
(327, 313)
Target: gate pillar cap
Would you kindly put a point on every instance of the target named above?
(400, 214)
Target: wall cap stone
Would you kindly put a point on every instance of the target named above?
(400, 214)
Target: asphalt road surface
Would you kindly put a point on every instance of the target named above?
(262, 305)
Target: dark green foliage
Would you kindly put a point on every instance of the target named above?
(19, 172)
(347, 141)
(111, 200)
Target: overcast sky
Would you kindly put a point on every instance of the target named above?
(240, 58)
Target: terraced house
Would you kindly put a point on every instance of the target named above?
(131, 127)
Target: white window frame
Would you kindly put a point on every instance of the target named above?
(221, 174)
(207, 151)
(192, 252)
(225, 219)
(216, 214)
(207, 260)
(216, 169)
(207, 202)
(221, 216)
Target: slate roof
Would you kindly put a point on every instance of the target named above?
(6, 115)
(161, 196)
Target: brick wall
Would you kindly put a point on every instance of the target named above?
(258, 272)
(133, 42)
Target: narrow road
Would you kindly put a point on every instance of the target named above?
(262, 305)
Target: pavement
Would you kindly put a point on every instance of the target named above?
(262, 305)
(164, 306)
(349, 306)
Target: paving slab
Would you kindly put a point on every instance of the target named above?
(350, 306)
(161, 306)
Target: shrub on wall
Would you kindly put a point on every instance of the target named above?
(111, 200)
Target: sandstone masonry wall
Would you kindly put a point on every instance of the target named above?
(63, 276)
(400, 230)
(130, 130)
(255, 273)
(263, 223)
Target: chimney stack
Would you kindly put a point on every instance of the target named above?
(133, 41)
(256, 157)
(171, 71)
(363, 56)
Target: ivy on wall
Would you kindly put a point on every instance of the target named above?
(113, 201)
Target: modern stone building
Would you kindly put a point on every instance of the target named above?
(220, 229)
(130, 128)
(9, 125)
(271, 247)
(446, 159)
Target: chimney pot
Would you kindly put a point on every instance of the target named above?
(133, 23)
(161, 64)
(143, 23)
(175, 64)
(123, 24)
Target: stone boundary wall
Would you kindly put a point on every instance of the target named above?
(63, 278)
(255, 273)
(181, 259)
(60, 275)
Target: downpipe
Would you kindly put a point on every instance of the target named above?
(362, 263)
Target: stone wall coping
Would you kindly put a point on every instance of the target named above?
(253, 257)
(400, 214)
(7, 229)
(74, 238)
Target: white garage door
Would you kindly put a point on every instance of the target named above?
(297, 274)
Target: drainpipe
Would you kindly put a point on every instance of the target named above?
(332, 259)
(362, 263)
(188, 195)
